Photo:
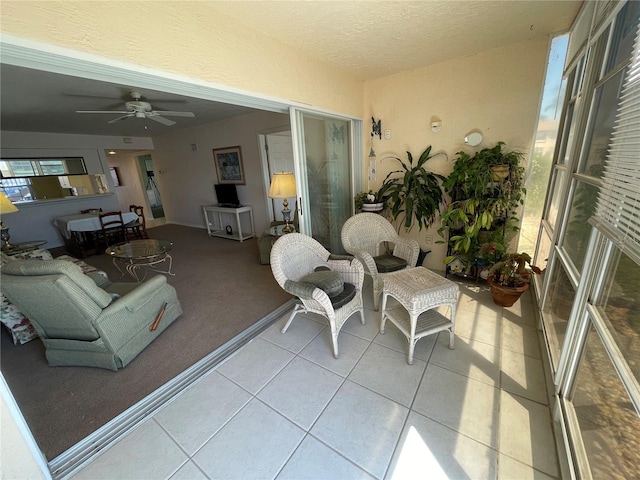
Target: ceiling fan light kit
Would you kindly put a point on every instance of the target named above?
(140, 109)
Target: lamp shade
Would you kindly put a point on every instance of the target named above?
(283, 185)
(5, 205)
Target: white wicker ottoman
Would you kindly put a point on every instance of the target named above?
(419, 291)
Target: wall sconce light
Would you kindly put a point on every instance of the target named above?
(376, 128)
(473, 138)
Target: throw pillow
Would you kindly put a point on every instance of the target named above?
(388, 263)
(326, 280)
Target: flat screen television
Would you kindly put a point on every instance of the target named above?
(227, 195)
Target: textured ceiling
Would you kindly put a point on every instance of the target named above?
(368, 39)
(377, 38)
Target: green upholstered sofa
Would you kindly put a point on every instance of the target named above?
(84, 323)
(13, 319)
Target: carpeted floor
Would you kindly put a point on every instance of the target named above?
(223, 290)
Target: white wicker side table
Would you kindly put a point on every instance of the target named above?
(419, 291)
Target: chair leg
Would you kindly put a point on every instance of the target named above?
(377, 292)
(412, 346)
(361, 311)
(334, 338)
(383, 318)
(296, 309)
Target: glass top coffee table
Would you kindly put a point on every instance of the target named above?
(140, 256)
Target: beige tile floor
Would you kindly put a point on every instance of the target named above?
(283, 408)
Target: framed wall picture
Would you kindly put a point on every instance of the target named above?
(229, 165)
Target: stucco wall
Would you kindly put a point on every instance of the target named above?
(496, 92)
(187, 38)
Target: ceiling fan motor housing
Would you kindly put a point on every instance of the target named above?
(138, 107)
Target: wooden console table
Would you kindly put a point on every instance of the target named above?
(216, 229)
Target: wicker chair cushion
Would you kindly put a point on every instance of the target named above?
(326, 280)
(343, 298)
(388, 263)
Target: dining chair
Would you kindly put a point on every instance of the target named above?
(112, 229)
(137, 228)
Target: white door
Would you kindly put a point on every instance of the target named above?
(278, 154)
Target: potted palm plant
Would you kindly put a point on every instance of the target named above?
(510, 277)
(412, 193)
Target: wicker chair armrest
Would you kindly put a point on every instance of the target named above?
(350, 269)
(340, 257)
(366, 259)
(407, 249)
(313, 297)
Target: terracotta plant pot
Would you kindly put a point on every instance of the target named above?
(506, 296)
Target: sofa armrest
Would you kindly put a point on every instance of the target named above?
(136, 311)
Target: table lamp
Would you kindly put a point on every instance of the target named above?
(5, 207)
(283, 185)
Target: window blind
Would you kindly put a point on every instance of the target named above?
(618, 211)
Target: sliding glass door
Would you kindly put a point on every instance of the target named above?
(324, 152)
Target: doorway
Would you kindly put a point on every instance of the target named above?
(150, 186)
(277, 156)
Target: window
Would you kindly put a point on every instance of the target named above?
(591, 303)
(40, 167)
(609, 425)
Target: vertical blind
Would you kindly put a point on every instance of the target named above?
(618, 212)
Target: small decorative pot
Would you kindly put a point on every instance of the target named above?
(372, 207)
(499, 172)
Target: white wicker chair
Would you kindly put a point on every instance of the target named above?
(294, 256)
(367, 236)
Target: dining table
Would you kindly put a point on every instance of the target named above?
(78, 230)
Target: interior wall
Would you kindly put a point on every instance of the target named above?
(189, 39)
(131, 190)
(34, 221)
(186, 177)
(496, 92)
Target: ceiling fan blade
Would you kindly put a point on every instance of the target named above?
(119, 118)
(102, 111)
(173, 114)
(159, 119)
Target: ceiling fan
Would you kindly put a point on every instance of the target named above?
(140, 109)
